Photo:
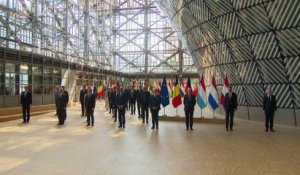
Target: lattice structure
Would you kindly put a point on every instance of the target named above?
(120, 35)
(145, 41)
(256, 43)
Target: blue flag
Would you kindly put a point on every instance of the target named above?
(164, 93)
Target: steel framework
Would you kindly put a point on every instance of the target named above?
(122, 35)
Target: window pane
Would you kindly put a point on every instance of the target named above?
(10, 67)
(48, 89)
(1, 89)
(48, 71)
(37, 89)
(37, 70)
(57, 72)
(37, 80)
(24, 69)
(56, 81)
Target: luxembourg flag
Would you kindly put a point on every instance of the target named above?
(170, 89)
(213, 94)
(224, 90)
(182, 88)
(201, 96)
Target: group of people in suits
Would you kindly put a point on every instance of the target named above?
(269, 107)
(121, 99)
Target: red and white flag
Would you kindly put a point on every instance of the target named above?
(224, 90)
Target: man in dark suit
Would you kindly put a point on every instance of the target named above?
(139, 100)
(145, 104)
(121, 100)
(154, 104)
(109, 96)
(26, 101)
(230, 105)
(114, 102)
(90, 102)
(127, 93)
(61, 106)
(83, 91)
(132, 100)
(66, 101)
(56, 93)
(269, 106)
(189, 102)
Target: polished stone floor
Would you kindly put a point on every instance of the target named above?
(43, 148)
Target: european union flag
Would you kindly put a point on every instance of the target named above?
(164, 93)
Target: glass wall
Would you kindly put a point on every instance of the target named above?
(10, 78)
(37, 76)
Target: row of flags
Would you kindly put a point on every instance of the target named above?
(199, 91)
(178, 89)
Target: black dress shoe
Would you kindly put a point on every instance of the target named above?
(58, 124)
(272, 130)
(231, 129)
(152, 127)
(192, 129)
(226, 129)
(187, 129)
(156, 127)
(23, 122)
(123, 126)
(88, 125)
(119, 126)
(266, 130)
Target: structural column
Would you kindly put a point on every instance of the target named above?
(146, 51)
(86, 29)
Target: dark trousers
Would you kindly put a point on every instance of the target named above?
(229, 118)
(90, 117)
(132, 107)
(65, 113)
(139, 106)
(82, 108)
(121, 117)
(269, 119)
(26, 113)
(115, 113)
(154, 118)
(189, 119)
(110, 108)
(145, 113)
(60, 115)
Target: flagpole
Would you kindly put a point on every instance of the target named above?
(201, 114)
(164, 111)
